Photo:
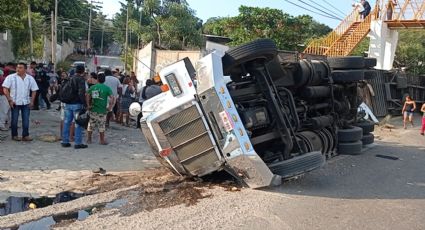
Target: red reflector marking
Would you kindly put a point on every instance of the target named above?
(165, 152)
(190, 84)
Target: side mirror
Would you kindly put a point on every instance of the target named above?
(135, 109)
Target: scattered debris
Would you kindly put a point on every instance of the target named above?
(387, 157)
(48, 138)
(100, 171)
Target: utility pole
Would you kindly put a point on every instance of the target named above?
(54, 34)
(101, 41)
(63, 32)
(138, 35)
(126, 40)
(90, 19)
(30, 29)
(52, 39)
(89, 32)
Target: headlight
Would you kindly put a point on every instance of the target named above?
(174, 84)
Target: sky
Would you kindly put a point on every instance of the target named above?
(221, 8)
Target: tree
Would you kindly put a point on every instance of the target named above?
(170, 23)
(11, 14)
(411, 51)
(21, 42)
(288, 32)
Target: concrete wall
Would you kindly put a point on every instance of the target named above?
(150, 61)
(164, 58)
(6, 54)
(62, 51)
(144, 64)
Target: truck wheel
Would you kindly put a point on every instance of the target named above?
(298, 165)
(259, 49)
(350, 148)
(369, 62)
(345, 76)
(352, 62)
(368, 139)
(367, 126)
(351, 134)
(370, 74)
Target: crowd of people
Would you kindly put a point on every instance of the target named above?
(106, 96)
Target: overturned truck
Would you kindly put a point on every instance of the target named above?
(258, 113)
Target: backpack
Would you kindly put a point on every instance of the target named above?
(42, 78)
(66, 94)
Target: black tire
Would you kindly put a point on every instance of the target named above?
(368, 139)
(259, 49)
(370, 74)
(347, 76)
(350, 148)
(367, 126)
(298, 165)
(350, 135)
(369, 62)
(352, 62)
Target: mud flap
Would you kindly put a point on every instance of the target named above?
(298, 165)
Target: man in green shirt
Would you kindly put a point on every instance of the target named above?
(97, 102)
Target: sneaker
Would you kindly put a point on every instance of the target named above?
(80, 146)
(27, 138)
(66, 145)
(16, 138)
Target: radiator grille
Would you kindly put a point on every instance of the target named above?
(190, 139)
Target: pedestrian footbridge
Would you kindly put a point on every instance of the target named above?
(381, 25)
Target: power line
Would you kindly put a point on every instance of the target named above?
(302, 7)
(334, 7)
(320, 10)
(329, 10)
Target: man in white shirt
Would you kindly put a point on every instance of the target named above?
(116, 87)
(17, 88)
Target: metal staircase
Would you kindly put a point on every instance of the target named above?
(344, 39)
(401, 14)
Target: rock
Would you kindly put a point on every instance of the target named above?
(235, 189)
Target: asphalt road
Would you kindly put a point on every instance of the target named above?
(359, 192)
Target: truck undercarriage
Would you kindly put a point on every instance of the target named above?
(277, 116)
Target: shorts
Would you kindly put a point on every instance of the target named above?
(98, 121)
(406, 113)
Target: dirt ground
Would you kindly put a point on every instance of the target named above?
(349, 192)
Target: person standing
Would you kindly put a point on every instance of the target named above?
(73, 94)
(31, 69)
(115, 85)
(53, 82)
(98, 96)
(423, 119)
(42, 80)
(126, 99)
(4, 106)
(134, 80)
(150, 90)
(17, 88)
(409, 108)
